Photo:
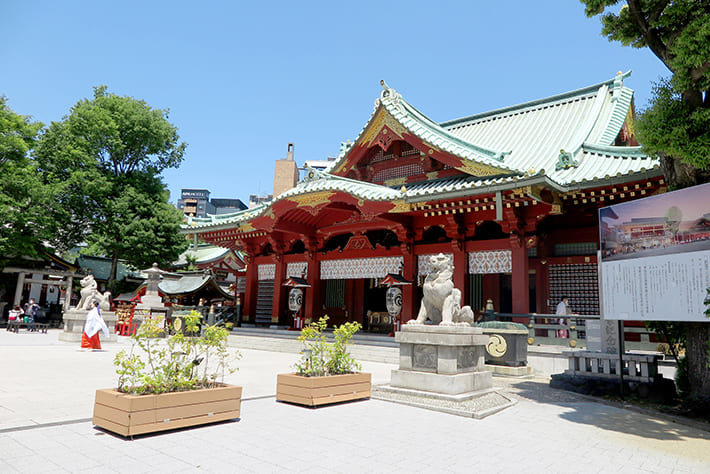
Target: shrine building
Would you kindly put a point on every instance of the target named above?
(511, 196)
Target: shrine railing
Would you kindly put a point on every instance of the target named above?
(545, 330)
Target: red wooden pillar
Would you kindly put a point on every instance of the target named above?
(460, 269)
(250, 291)
(521, 280)
(279, 278)
(409, 292)
(313, 278)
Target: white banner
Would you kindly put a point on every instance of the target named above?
(356, 268)
(296, 269)
(266, 271)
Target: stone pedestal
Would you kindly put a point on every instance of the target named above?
(441, 359)
(443, 368)
(74, 321)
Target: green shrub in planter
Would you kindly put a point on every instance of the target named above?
(321, 358)
(178, 363)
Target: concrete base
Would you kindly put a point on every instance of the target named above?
(74, 321)
(441, 368)
(509, 371)
(457, 384)
(479, 404)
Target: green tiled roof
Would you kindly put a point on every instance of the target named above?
(320, 181)
(315, 181)
(203, 253)
(426, 129)
(578, 122)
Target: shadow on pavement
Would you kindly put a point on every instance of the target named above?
(601, 414)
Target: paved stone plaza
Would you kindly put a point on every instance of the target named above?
(46, 399)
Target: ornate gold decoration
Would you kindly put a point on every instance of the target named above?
(382, 118)
(573, 343)
(530, 341)
(400, 206)
(395, 181)
(246, 227)
(477, 169)
(312, 199)
(497, 347)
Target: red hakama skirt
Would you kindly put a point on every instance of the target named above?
(90, 342)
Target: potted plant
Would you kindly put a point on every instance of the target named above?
(170, 383)
(326, 373)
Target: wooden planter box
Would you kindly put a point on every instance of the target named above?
(129, 415)
(315, 391)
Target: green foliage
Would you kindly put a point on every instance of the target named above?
(677, 32)
(177, 363)
(24, 201)
(321, 358)
(104, 161)
(675, 127)
(677, 122)
(340, 361)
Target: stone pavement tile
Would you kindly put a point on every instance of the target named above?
(31, 464)
(7, 468)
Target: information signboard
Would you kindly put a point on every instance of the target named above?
(655, 257)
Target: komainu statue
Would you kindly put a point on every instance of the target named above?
(90, 292)
(441, 303)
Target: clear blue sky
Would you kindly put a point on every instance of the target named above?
(242, 79)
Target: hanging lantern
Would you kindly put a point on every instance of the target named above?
(393, 300)
(295, 299)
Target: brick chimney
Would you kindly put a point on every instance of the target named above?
(285, 173)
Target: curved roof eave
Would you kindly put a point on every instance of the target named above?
(428, 131)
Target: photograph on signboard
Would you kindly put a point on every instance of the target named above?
(655, 257)
(673, 222)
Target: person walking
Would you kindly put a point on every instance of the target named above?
(94, 324)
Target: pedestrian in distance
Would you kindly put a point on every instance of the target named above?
(30, 310)
(563, 310)
(94, 324)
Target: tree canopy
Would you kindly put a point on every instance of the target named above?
(104, 161)
(24, 222)
(676, 125)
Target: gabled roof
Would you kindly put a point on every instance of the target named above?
(391, 104)
(188, 283)
(583, 123)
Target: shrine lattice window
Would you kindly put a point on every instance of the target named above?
(398, 172)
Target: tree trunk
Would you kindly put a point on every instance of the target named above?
(678, 174)
(114, 269)
(698, 335)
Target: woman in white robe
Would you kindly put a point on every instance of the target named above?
(94, 324)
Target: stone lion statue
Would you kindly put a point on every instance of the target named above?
(90, 292)
(441, 303)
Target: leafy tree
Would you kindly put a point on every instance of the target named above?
(104, 160)
(676, 125)
(25, 223)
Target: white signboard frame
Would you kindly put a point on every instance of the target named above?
(655, 257)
